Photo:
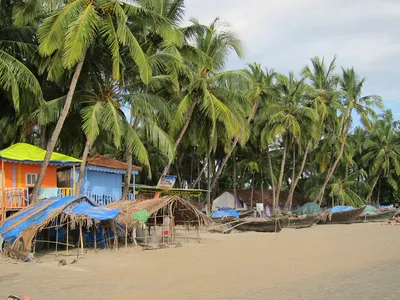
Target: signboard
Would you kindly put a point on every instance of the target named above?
(166, 182)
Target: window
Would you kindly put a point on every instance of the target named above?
(30, 179)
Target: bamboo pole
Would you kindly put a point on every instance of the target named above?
(81, 235)
(126, 237)
(3, 202)
(74, 183)
(67, 236)
(56, 239)
(95, 237)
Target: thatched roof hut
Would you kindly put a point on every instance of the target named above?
(183, 211)
(20, 229)
(267, 199)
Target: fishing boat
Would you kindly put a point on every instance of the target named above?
(299, 222)
(224, 215)
(258, 225)
(380, 215)
(340, 217)
(246, 213)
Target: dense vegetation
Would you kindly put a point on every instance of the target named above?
(128, 80)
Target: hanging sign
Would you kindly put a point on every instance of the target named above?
(166, 182)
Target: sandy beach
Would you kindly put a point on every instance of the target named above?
(357, 261)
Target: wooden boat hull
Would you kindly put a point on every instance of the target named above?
(223, 220)
(246, 213)
(378, 216)
(291, 222)
(343, 217)
(260, 225)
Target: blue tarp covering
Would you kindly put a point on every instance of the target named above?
(37, 214)
(224, 213)
(340, 208)
(95, 212)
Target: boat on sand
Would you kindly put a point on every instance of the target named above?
(377, 216)
(299, 221)
(340, 217)
(258, 225)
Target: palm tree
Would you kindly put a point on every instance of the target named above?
(17, 82)
(260, 90)
(285, 118)
(72, 31)
(210, 90)
(382, 157)
(352, 100)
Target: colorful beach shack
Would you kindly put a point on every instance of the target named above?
(103, 179)
(20, 165)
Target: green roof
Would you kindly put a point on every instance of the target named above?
(28, 153)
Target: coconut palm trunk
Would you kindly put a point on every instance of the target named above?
(85, 155)
(372, 190)
(234, 143)
(42, 141)
(234, 179)
(128, 174)
(297, 178)
(332, 169)
(271, 174)
(283, 163)
(181, 134)
(252, 189)
(56, 133)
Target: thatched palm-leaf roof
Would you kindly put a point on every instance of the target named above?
(181, 209)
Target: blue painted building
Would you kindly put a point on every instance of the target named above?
(103, 180)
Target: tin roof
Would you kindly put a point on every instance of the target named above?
(105, 162)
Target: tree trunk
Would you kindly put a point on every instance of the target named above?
(262, 188)
(85, 155)
(287, 206)
(368, 200)
(181, 134)
(252, 191)
(234, 179)
(279, 187)
(208, 183)
(56, 133)
(127, 179)
(42, 141)
(271, 174)
(296, 180)
(333, 167)
(234, 143)
(379, 191)
(198, 179)
(128, 174)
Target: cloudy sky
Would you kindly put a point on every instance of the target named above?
(284, 34)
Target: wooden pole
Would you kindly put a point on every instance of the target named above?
(115, 236)
(3, 202)
(56, 238)
(126, 237)
(74, 193)
(67, 236)
(95, 237)
(81, 235)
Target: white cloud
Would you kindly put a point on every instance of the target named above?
(285, 34)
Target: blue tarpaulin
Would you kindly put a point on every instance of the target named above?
(94, 212)
(45, 210)
(224, 213)
(340, 208)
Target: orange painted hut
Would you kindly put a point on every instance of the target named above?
(20, 165)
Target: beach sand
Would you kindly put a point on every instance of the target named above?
(358, 261)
